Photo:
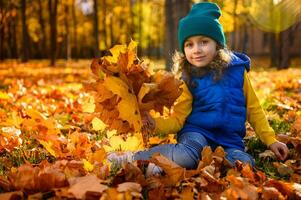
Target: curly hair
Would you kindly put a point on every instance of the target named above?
(182, 68)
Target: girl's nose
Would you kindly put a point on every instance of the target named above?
(197, 49)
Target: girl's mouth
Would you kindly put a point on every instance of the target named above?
(199, 58)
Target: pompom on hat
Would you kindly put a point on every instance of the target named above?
(201, 20)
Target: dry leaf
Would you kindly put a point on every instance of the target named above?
(80, 185)
(174, 172)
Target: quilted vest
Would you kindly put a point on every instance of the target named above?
(219, 107)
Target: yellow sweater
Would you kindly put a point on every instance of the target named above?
(255, 114)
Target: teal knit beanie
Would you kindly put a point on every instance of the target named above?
(201, 20)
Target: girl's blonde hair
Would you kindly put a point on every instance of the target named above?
(182, 68)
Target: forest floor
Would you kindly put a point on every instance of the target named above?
(50, 144)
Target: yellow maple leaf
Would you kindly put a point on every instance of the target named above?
(115, 51)
(117, 143)
(48, 147)
(133, 45)
(110, 133)
(98, 125)
(14, 120)
(88, 105)
(34, 114)
(88, 166)
(128, 105)
(98, 155)
(131, 53)
(4, 95)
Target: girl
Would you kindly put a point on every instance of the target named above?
(223, 98)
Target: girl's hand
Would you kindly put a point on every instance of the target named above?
(279, 149)
(148, 123)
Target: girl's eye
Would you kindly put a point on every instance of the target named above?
(188, 45)
(204, 42)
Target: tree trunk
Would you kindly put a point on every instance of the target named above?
(284, 61)
(280, 49)
(25, 46)
(274, 49)
(96, 44)
(245, 39)
(274, 43)
(169, 34)
(43, 31)
(140, 12)
(233, 34)
(1, 31)
(14, 38)
(52, 5)
(74, 19)
(174, 11)
(10, 36)
(112, 41)
(104, 10)
(131, 25)
(67, 36)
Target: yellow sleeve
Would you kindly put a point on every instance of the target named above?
(256, 116)
(175, 121)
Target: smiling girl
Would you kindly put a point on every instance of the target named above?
(219, 102)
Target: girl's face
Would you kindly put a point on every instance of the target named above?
(200, 50)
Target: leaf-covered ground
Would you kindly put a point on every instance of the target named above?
(53, 145)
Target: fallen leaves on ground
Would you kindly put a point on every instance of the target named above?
(54, 135)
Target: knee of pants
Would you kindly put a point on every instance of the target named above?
(185, 157)
(194, 142)
(235, 154)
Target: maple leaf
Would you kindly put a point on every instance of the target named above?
(32, 179)
(79, 186)
(12, 195)
(129, 186)
(240, 189)
(9, 138)
(131, 143)
(166, 87)
(295, 178)
(51, 177)
(48, 147)
(4, 95)
(98, 125)
(97, 156)
(296, 128)
(128, 105)
(187, 193)
(271, 193)
(286, 189)
(173, 171)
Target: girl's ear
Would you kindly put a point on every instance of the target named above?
(217, 51)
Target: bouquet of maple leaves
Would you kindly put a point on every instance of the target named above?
(125, 91)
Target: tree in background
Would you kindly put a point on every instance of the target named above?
(74, 21)
(2, 10)
(276, 18)
(67, 29)
(174, 10)
(43, 43)
(95, 20)
(25, 39)
(72, 29)
(52, 6)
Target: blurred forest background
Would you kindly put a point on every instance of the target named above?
(83, 29)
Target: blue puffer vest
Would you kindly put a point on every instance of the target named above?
(219, 108)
